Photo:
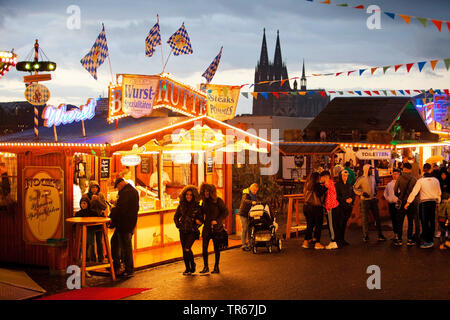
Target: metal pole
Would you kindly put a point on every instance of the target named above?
(36, 110)
(162, 54)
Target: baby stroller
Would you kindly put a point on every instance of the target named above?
(262, 228)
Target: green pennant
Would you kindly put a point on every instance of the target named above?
(447, 63)
(385, 68)
(341, 92)
(293, 93)
(245, 94)
(385, 92)
(423, 21)
(342, 5)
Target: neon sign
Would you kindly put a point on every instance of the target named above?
(56, 116)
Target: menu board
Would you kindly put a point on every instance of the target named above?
(209, 164)
(105, 168)
(145, 166)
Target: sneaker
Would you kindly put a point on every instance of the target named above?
(318, 246)
(305, 244)
(205, 271)
(410, 242)
(398, 242)
(332, 245)
(381, 238)
(427, 245)
(443, 247)
(366, 239)
(186, 272)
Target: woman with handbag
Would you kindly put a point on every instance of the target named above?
(214, 212)
(313, 211)
(187, 219)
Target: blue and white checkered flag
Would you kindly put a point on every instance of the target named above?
(211, 71)
(97, 55)
(153, 39)
(180, 42)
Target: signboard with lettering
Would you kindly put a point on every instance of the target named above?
(57, 116)
(105, 168)
(209, 164)
(221, 101)
(137, 92)
(43, 204)
(37, 94)
(373, 154)
(145, 165)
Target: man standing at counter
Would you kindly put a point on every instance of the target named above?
(124, 218)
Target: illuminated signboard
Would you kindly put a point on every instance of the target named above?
(163, 91)
(435, 112)
(60, 115)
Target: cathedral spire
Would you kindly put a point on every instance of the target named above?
(277, 60)
(264, 58)
(303, 79)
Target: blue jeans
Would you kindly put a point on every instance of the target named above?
(427, 215)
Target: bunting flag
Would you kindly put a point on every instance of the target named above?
(153, 39)
(324, 93)
(406, 18)
(396, 67)
(211, 71)
(180, 42)
(97, 55)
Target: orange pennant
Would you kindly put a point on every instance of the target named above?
(254, 94)
(373, 69)
(397, 67)
(438, 24)
(433, 63)
(285, 93)
(302, 93)
(326, 1)
(393, 92)
(282, 82)
(406, 18)
(351, 92)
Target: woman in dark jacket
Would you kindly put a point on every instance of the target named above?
(346, 198)
(444, 180)
(97, 204)
(313, 211)
(187, 219)
(214, 212)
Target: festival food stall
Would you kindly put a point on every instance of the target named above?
(174, 144)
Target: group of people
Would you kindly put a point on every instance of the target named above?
(408, 194)
(196, 208)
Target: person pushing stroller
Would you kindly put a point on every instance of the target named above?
(249, 199)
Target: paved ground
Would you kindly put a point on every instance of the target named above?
(295, 273)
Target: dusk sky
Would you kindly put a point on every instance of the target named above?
(329, 38)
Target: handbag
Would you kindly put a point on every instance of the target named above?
(221, 236)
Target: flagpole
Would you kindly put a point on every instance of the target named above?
(162, 54)
(167, 61)
(109, 60)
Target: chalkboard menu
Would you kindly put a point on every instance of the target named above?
(105, 168)
(209, 164)
(145, 166)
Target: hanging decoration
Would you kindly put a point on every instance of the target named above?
(7, 61)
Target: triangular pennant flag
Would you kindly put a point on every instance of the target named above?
(402, 92)
(390, 14)
(361, 71)
(341, 92)
(294, 93)
(424, 91)
(447, 63)
(438, 24)
(448, 25)
(406, 18)
(255, 95)
(424, 101)
(310, 92)
(275, 94)
(372, 70)
(264, 82)
(431, 91)
(398, 66)
(325, 2)
(385, 92)
(245, 94)
(323, 93)
(368, 92)
(331, 91)
(438, 91)
(244, 85)
(359, 7)
(423, 21)
(316, 74)
(351, 92)
(264, 94)
(282, 82)
(348, 73)
(385, 68)
(358, 92)
(251, 85)
(376, 92)
(302, 93)
(408, 92)
(285, 93)
(339, 73)
(394, 93)
(446, 92)
(421, 65)
(342, 5)
(272, 82)
(418, 91)
(433, 63)
(409, 66)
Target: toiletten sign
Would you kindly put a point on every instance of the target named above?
(373, 154)
(43, 204)
(221, 101)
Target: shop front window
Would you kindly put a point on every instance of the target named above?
(8, 183)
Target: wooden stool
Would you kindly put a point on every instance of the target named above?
(293, 198)
(81, 224)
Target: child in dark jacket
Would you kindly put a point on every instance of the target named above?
(86, 211)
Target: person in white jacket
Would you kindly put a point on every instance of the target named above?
(389, 195)
(429, 191)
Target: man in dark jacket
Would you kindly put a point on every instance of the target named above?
(346, 198)
(402, 189)
(124, 218)
(247, 201)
